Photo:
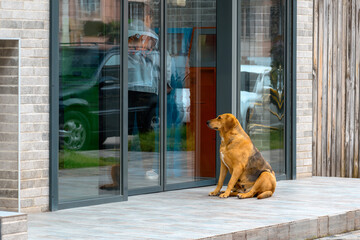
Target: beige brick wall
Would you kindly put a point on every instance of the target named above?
(29, 21)
(9, 69)
(304, 88)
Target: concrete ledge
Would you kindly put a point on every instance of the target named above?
(13, 226)
(303, 229)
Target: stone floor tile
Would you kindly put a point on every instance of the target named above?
(357, 220)
(257, 234)
(350, 221)
(354, 235)
(283, 231)
(337, 223)
(239, 235)
(323, 226)
(303, 229)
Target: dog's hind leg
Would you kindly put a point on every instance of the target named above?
(264, 187)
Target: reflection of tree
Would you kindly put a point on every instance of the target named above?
(277, 33)
(277, 51)
(277, 61)
(112, 32)
(277, 92)
(277, 78)
(277, 57)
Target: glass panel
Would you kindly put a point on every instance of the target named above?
(89, 101)
(191, 95)
(144, 80)
(262, 77)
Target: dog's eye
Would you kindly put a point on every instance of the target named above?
(219, 117)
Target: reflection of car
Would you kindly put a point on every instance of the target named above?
(90, 98)
(90, 88)
(248, 98)
(259, 95)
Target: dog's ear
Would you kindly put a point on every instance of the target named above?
(230, 123)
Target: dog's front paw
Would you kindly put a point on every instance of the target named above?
(214, 193)
(244, 195)
(224, 195)
(241, 195)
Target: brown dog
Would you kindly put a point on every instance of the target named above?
(251, 175)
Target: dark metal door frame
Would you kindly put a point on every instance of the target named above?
(54, 114)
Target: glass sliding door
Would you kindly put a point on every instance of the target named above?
(171, 94)
(191, 91)
(261, 82)
(89, 99)
(144, 94)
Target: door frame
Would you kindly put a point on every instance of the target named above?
(54, 115)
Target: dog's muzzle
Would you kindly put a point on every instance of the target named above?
(208, 123)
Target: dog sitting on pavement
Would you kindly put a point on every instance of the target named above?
(251, 175)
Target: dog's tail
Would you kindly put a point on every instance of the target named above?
(265, 194)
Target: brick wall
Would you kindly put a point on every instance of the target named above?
(256, 30)
(304, 88)
(196, 13)
(29, 21)
(9, 67)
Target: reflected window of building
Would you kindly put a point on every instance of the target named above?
(191, 100)
(262, 95)
(89, 99)
(144, 94)
(90, 7)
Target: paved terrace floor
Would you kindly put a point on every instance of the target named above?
(313, 206)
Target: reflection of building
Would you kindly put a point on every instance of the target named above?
(96, 12)
(262, 43)
(194, 11)
(262, 23)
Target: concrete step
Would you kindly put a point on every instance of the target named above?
(13, 226)
(299, 209)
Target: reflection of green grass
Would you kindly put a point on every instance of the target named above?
(72, 159)
(177, 140)
(273, 139)
(144, 142)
